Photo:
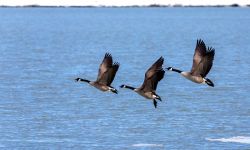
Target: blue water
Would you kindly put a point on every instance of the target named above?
(44, 49)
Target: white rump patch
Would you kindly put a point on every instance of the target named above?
(110, 88)
(147, 145)
(236, 139)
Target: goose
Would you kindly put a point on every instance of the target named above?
(153, 75)
(202, 63)
(106, 75)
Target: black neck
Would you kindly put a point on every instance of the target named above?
(82, 80)
(129, 87)
(176, 70)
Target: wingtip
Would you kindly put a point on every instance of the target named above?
(116, 64)
(210, 49)
(200, 41)
(107, 54)
(200, 44)
(162, 58)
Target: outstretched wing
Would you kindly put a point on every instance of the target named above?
(151, 83)
(199, 53)
(104, 67)
(205, 64)
(153, 75)
(110, 75)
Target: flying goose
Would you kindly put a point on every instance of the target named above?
(106, 75)
(202, 63)
(153, 75)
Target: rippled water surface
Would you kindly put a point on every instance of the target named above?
(44, 49)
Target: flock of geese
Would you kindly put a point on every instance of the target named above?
(202, 63)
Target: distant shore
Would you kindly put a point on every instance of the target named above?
(131, 6)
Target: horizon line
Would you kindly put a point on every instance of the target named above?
(115, 6)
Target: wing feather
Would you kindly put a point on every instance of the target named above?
(110, 75)
(203, 59)
(199, 53)
(104, 66)
(206, 63)
(107, 70)
(153, 75)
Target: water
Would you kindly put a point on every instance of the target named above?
(44, 49)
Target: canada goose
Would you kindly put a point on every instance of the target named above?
(202, 63)
(106, 75)
(153, 75)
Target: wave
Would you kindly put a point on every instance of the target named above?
(236, 139)
(147, 145)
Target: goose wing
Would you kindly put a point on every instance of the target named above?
(104, 67)
(153, 75)
(151, 83)
(110, 75)
(199, 53)
(205, 64)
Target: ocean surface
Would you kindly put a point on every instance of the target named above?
(42, 51)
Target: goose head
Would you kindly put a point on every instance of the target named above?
(169, 68)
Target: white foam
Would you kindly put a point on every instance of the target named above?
(147, 145)
(236, 139)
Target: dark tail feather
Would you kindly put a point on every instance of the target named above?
(158, 97)
(209, 82)
(155, 103)
(114, 90)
